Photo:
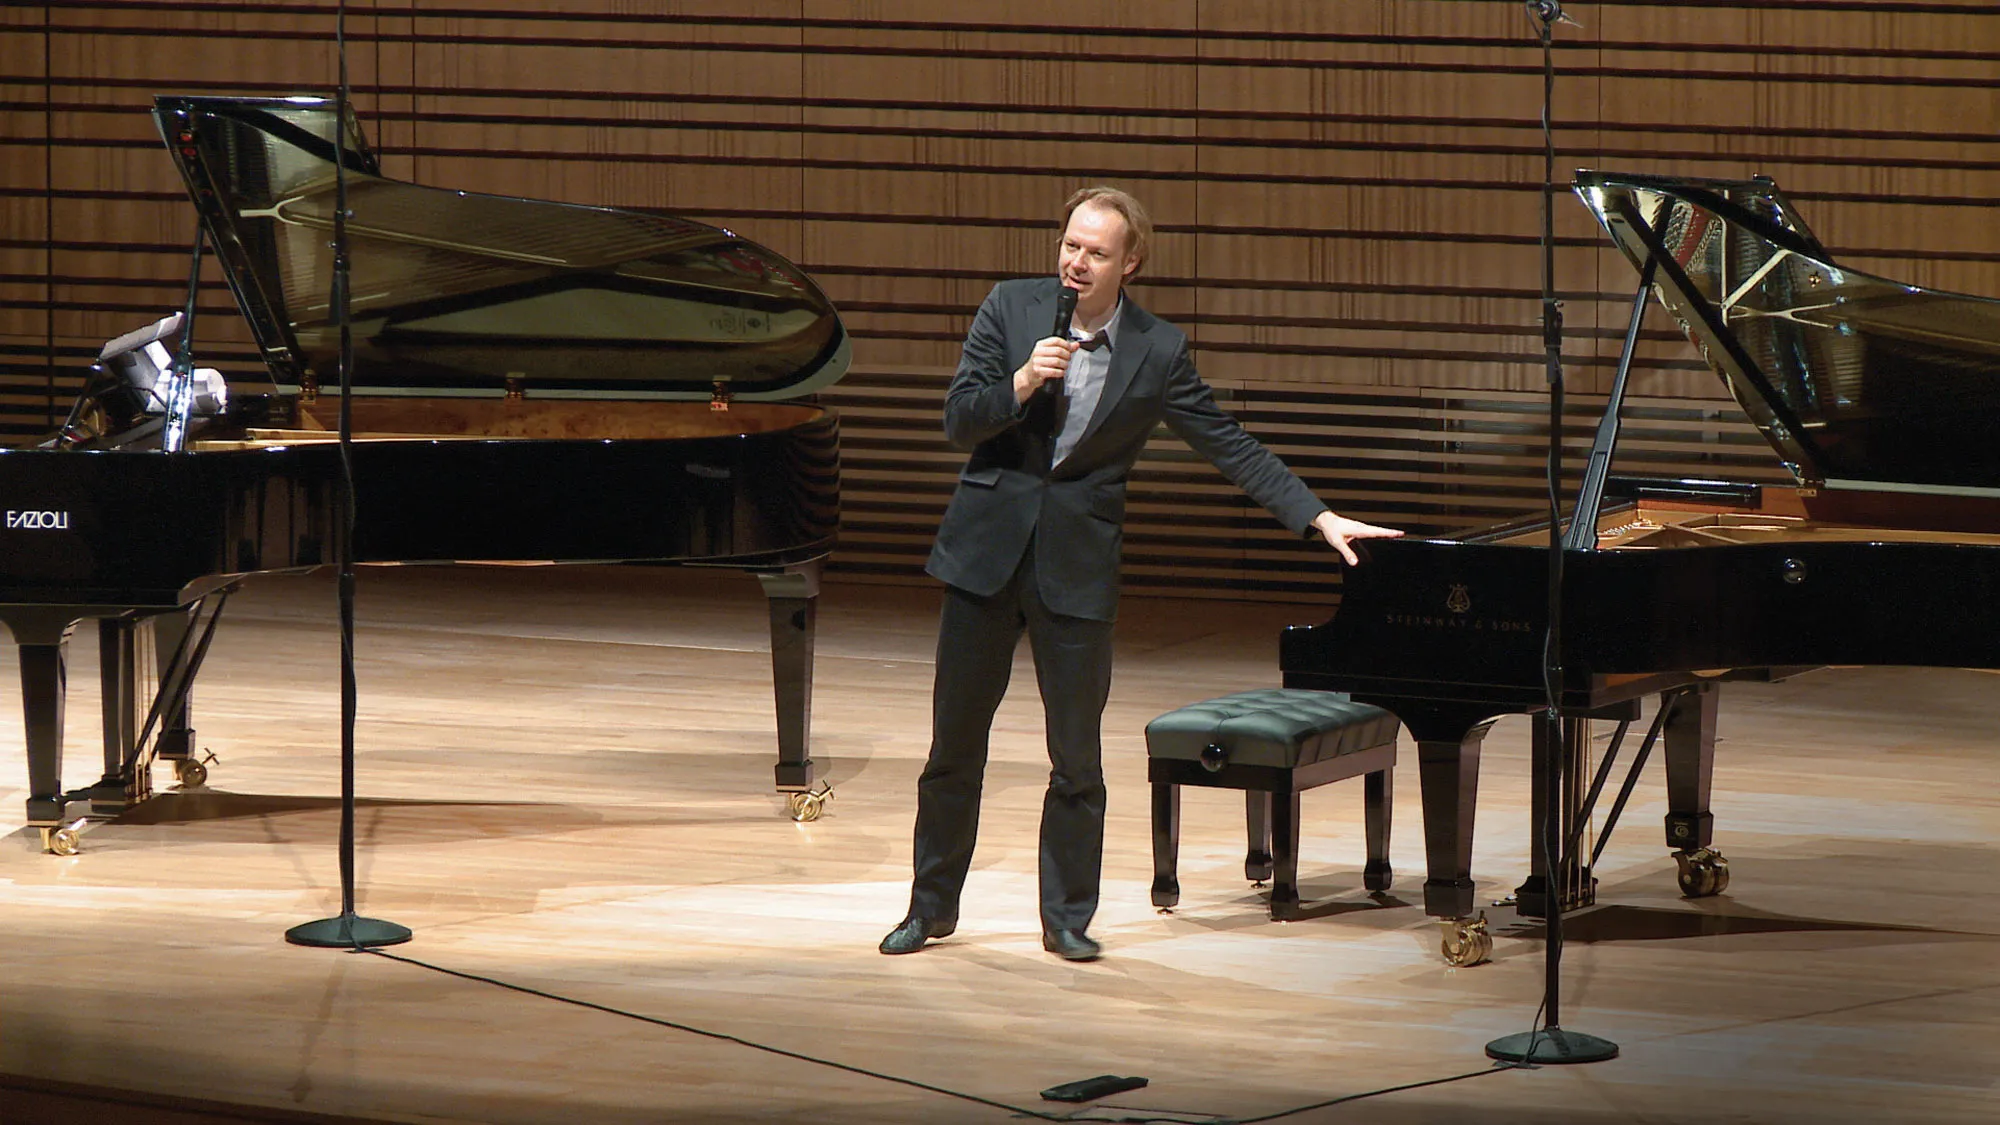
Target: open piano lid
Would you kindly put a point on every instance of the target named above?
(1857, 381)
(457, 293)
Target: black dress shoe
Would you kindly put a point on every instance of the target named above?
(911, 934)
(1070, 945)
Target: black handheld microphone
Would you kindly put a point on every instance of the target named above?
(1065, 310)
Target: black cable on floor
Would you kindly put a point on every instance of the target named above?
(703, 1032)
(1089, 1114)
(1497, 1068)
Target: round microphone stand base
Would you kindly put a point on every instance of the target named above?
(350, 931)
(1551, 1045)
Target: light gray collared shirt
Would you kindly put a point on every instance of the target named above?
(1083, 382)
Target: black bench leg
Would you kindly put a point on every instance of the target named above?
(1285, 852)
(1257, 817)
(1378, 875)
(1166, 844)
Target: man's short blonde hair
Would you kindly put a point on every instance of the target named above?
(1138, 227)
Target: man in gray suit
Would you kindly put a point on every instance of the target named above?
(1054, 415)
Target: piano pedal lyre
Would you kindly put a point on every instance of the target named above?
(63, 839)
(807, 806)
(1702, 872)
(1465, 941)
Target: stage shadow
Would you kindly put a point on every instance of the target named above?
(201, 816)
(1649, 923)
(1254, 909)
(632, 836)
(187, 806)
(1310, 910)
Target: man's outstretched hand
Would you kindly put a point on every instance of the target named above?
(1339, 531)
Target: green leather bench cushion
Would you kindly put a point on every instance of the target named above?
(1278, 727)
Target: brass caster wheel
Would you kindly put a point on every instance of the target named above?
(190, 773)
(807, 807)
(63, 839)
(1703, 872)
(1465, 941)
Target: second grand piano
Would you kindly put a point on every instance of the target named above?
(1883, 399)
(532, 381)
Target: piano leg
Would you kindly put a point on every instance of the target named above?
(1689, 738)
(1378, 795)
(793, 597)
(1448, 772)
(44, 683)
(42, 636)
(1448, 740)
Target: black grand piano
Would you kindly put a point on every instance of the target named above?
(532, 381)
(1882, 398)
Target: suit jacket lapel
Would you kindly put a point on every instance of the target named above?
(1135, 341)
(1041, 311)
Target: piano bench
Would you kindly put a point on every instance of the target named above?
(1273, 744)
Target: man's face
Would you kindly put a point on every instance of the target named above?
(1093, 259)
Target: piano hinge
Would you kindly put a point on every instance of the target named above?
(517, 385)
(718, 400)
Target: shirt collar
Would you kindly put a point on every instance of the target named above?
(1109, 328)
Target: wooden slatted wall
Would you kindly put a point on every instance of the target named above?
(1347, 194)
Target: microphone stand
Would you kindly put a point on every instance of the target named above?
(346, 930)
(1550, 1043)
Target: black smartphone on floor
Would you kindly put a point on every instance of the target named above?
(1085, 1089)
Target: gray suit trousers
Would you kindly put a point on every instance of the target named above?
(976, 641)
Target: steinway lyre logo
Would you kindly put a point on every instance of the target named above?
(37, 521)
(1458, 601)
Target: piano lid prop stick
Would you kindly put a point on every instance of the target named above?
(178, 404)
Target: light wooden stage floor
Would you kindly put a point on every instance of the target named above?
(565, 782)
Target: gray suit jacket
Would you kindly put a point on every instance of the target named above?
(1075, 514)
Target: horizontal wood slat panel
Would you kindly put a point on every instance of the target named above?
(1347, 197)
